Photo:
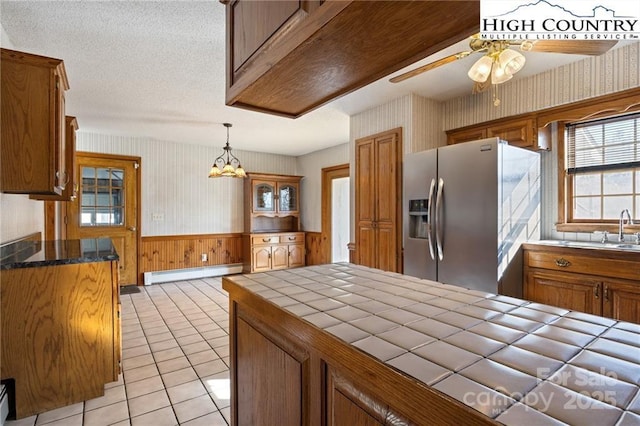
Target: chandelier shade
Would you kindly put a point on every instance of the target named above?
(500, 65)
(230, 164)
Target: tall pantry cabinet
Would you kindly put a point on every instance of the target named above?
(379, 201)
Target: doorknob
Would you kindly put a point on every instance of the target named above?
(131, 228)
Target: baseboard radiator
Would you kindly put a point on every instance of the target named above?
(157, 277)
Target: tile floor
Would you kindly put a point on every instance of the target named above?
(175, 360)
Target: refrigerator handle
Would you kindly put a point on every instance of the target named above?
(430, 206)
(438, 220)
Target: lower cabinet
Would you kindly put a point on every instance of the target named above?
(60, 333)
(274, 251)
(600, 282)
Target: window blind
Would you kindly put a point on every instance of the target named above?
(606, 144)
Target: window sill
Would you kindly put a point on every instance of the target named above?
(612, 228)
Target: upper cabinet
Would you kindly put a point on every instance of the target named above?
(518, 131)
(33, 124)
(289, 57)
(272, 203)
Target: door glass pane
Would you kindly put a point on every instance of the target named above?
(263, 197)
(287, 198)
(102, 197)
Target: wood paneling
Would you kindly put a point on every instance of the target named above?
(315, 243)
(169, 252)
(59, 337)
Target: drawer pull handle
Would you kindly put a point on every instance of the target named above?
(563, 263)
(606, 293)
(266, 240)
(292, 238)
(596, 291)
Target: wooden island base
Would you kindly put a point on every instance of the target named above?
(349, 345)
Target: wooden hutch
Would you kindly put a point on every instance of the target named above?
(272, 238)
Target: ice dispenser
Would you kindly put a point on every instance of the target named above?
(418, 218)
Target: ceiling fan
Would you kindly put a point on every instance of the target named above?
(499, 62)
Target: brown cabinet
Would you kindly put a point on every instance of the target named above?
(378, 194)
(600, 282)
(60, 333)
(518, 131)
(70, 191)
(273, 251)
(290, 57)
(272, 203)
(33, 124)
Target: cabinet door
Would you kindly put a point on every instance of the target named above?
(269, 380)
(296, 255)
(622, 300)
(365, 203)
(264, 197)
(517, 133)
(387, 177)
(280, 257)
(468, 135)
(261, 259)
(288, 197)
(570, 291)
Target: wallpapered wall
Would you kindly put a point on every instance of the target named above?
(175, 183)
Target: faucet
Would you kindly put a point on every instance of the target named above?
(621, 224)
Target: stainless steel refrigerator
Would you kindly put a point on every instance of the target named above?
(467, 209)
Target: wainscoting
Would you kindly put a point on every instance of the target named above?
(170, 252)
(314, 244)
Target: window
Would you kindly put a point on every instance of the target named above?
(102, 197)
(602, 167)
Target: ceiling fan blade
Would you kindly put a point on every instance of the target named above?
(577, 47)
(429, 66)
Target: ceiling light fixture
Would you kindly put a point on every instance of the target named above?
(228, 160)
(500, 63)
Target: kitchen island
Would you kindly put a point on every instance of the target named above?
(345, 344)
(60, 321)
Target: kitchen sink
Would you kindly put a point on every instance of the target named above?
(592, 245)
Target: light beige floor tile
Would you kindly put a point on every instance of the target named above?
(27, 421)
(140, 373)
(203, 328)
(75, 420)
(212, 334)
(191, 338)
(156, 330)
(211, 419)
(178, 377)
(162, 417)
(159, 337)
(60, 413)
(226, 412)
(111, 396)
(209, 368)
(195, 347)
(173, 364)
(107, 415)
(186, 391)
(165, 344)
(138, 361)
(147, 403)
(168, 354)
(133, 342)
(204, 356)
(118, 382)
(134, 352)
(122, 423)
(219, 387)
(219, 341)
(144, 386)
(195, 407)
(222, 351)
(185, 331)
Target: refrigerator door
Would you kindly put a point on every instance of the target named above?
(467, 214)
(419, 175)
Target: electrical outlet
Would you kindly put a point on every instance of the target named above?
(157, 217)
(204, 257)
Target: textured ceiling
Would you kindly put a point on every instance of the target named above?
(156, 69)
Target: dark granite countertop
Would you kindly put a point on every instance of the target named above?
(31, 254)
(515, 361)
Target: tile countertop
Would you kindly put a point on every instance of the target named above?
(512, 360)
(30, 254)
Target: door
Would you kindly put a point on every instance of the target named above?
(107, 206)
(466, 215)
(419, 201)
(568, 291)
(378, 205)
(335, 214)
(622, 300)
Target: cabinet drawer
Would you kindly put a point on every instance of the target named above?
(567, 262)
(265, 239)
(292, 238)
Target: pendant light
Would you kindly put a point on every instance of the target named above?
(227, 160)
